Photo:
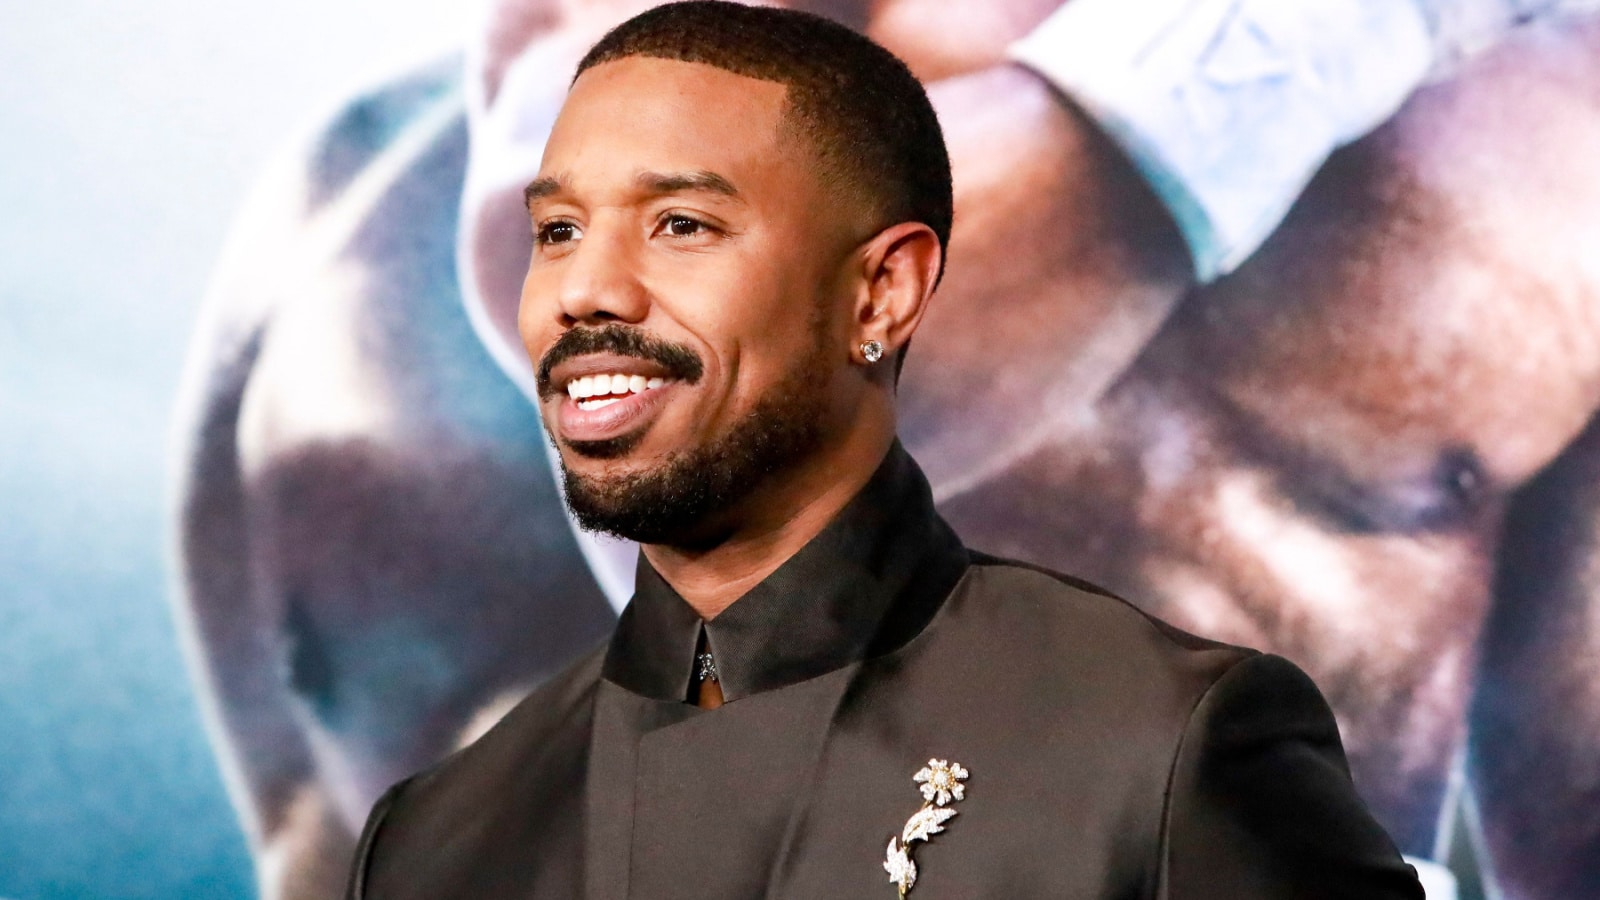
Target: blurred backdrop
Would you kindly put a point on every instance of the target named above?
(277, 523)
(129, 134)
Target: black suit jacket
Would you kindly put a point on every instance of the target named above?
(1110, 755)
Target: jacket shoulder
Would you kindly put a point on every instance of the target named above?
(478, 800)
(544, 720)
(1065, 653)
(1261, 804)
(1024, 595)
(1071, 702)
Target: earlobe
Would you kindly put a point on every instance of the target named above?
(901, 266)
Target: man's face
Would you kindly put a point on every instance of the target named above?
(687, 302)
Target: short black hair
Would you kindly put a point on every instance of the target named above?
(868, 117)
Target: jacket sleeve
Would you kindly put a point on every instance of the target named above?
(1260, 803)
(356, 888)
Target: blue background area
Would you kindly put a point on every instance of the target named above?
(128, 136)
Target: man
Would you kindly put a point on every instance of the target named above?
(739, 221)
(374, 552)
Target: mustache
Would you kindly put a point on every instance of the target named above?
(680, 362)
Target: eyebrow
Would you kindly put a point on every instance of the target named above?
(680, 182)
(540, 188)
(650, 183)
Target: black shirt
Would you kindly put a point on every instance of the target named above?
(1105, 753)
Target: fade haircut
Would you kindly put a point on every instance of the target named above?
(867, 117)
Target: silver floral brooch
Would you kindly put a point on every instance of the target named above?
(941, 784)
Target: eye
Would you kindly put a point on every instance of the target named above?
(678, 225)
(556, 232)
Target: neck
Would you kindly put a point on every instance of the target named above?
(780, 520)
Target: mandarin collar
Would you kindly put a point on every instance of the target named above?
(866, 584)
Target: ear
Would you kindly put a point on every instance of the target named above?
(900, 266)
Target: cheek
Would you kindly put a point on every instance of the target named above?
(796, 344)
(751, 306)
(754, 323)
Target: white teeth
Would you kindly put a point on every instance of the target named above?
(601, 403)
(605, 385)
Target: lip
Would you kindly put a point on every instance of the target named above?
(598, 363)
(634, 412)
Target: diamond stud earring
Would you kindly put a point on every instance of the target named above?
(872, 351)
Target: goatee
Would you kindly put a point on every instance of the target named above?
(673, 502)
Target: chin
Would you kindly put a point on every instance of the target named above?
(601, 462)
(618, 450)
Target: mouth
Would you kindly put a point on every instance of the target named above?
(602, 390)
(609, 398)
(617, 381)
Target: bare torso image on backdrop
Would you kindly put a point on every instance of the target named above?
(1369, 448)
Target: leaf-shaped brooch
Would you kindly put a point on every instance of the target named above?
(941, 785)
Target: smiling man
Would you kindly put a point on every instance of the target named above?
(817, 690)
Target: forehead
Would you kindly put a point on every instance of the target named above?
(641, 113)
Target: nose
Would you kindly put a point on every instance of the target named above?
(595, 282)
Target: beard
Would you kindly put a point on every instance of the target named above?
(673, 502)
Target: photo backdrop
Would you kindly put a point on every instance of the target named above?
(129, 134)
(281, 525)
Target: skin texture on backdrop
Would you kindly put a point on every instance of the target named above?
(1368, 450)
